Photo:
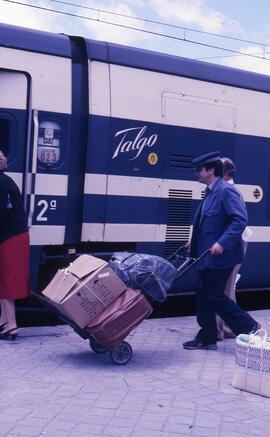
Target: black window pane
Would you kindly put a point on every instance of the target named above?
(4, 135)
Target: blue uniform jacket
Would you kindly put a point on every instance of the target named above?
(223, 220)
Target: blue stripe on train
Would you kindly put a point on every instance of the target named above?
(122, 146)
(124, 209)
(105, 155)
(255, 269)
(133, 209)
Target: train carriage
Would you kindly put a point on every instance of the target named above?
(100, 139)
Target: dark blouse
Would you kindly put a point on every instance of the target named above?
(12, 215)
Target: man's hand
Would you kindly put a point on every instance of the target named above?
(216, 249)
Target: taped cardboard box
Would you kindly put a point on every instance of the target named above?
(84, 289)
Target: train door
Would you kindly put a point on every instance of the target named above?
(13, 124)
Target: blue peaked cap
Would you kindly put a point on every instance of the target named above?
(206, 159)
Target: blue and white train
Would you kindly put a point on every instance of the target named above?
(100, 138)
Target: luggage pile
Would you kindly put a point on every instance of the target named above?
(104, 302)
(90, 297)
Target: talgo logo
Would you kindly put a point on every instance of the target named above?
(133, 141)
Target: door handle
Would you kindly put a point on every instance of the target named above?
(33, 168)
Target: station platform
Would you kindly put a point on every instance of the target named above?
(52, 384)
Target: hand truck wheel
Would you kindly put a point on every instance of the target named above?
(122, 353)
(96, 347)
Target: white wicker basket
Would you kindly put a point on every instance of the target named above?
(252, 361)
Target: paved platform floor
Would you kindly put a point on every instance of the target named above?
(53, 385)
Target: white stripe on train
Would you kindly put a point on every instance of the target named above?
(155, 187)
(46, 184)
(102, 184)
(173, 100)
(124, 232)
(50, 91)
(45, 234)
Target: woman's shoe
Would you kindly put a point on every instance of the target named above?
(2, 327)
(9, 335)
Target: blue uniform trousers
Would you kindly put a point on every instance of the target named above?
(210, 300)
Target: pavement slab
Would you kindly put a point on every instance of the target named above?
(52, 384)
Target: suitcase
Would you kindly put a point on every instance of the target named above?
(151, 274)
(119, 318)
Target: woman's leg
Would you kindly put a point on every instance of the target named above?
(9, 315)
(3, 316)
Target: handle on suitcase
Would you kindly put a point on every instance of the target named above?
(190, 262)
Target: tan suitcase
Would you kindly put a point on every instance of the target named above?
(123, 315)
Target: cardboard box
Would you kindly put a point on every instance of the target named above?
(84, 289)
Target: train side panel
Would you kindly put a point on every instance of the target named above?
(139, 185)
(100, 139)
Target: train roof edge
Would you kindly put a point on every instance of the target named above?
(59, 44)
(176, 65)
(23, 38)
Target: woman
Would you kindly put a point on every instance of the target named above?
(14, 253)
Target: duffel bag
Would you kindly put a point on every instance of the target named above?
(152, 274)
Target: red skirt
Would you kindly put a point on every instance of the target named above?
(14, 267)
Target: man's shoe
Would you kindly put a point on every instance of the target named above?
(197, 344)
(255, 328)
(229, 335)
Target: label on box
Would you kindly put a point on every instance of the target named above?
(103, 275)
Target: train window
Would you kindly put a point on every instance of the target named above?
(4, 135)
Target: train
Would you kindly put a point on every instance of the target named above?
(100, 139)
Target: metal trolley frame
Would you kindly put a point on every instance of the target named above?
(120, 354)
